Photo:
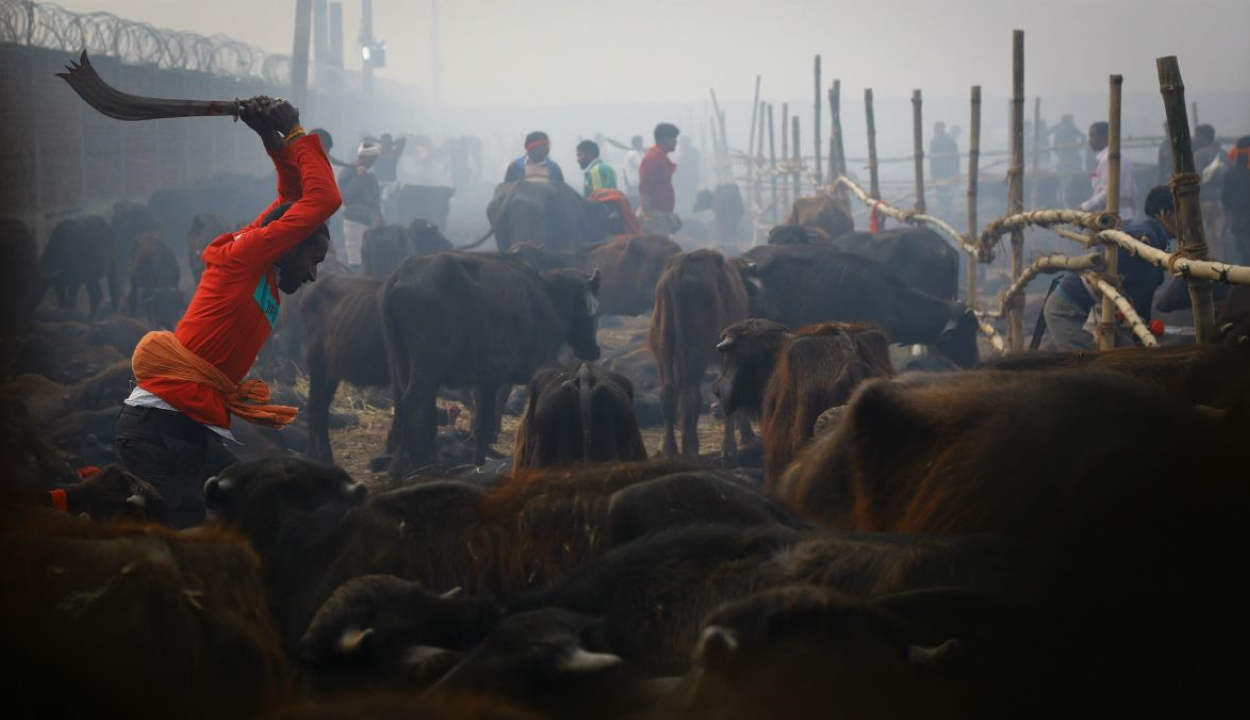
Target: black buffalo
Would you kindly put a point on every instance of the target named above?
(386, 247)
(918, 255)
(80, 251)
(550, 214)
(805, 285)
(471, 321)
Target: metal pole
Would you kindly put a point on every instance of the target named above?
(1106, 329)
(1015, 189)
(917, 137)
(785, 152)
(820, 174)
(874, 188)
(1185, 180)
(299, 57)
(772, 160)
(974, 158)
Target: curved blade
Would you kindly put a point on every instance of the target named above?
(123, 106)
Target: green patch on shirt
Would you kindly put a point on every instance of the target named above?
(267, 300)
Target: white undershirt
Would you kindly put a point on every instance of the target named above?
(142, 398)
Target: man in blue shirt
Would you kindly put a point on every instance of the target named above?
(1068, 307)
(534, 163)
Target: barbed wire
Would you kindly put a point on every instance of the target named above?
(51, 26)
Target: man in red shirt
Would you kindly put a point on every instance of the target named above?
(656, 197)
(190, 381)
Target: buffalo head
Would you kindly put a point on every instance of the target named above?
(576, 298)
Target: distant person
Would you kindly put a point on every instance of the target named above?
(327, 143)
(1209, 163)
(1043, 143)
(362, 201)
(535, 163)
(686, 180)
(1067, 308)
(389, 150)
(1128, 178)
(1068, 141)
(599, 176)
(1235, 198)
(943, 163)
(629, 168)
(657, 199)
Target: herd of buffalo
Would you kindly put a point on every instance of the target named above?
(1041, 534)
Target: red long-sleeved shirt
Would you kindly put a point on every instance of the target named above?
(655, 181)
(236, 304)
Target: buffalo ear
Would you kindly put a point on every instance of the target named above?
(716, 647)
(593, 282)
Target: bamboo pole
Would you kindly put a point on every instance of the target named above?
(796, 150)
(837, 158)
(917, 136)
(1037, 136)
(874, 187)
(1050, 264)
(724, 143)
(1015, 187)
(1175, 263)
(1131, 318)
(1041, 218)
(1185, 181)
(908, 216)
(757, 189)
(816, 125)
(772, 161)
(990, 332)
(785, 154)
(1106, 328)
(751, 137)
(974, 158)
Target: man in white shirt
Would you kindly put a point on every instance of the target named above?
(1128, 179)
(629, 169)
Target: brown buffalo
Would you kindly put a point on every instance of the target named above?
(795, 377)
(824, 213)
(203, 231)
(578, 415)
(189, 607)
(154, 268)
(698, 294)
(468, 320)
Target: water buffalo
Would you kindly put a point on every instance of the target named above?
(80, 251)
(698, 294)
(540, 212)
(629, 268)
(918, 255)
(427, 203)
(154, 268)
(578, 414)
(822, 212)
(472, 321)
(805, 285)
(789, 379)
(385, 247)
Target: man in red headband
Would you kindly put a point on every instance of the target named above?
(1235, 196)
(534, 163)
(656, 197)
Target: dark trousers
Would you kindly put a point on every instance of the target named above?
(174, 453)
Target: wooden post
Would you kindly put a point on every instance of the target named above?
(772, 161)
(727, 159)
(974, 158)
(917, 137)
(723, 144)
(837, 159)
(785, 152)
(335, 53)
(1015, 188)
(1106, 328)
(1194, 105)
(796, 150)
(299, 57)
(1185, 181)
(874, 189)
(1037, 143)
(820, 174)
(751, 138)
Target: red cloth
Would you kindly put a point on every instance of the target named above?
(655, 181)
(234, 308)
(876, 221)
(633, 228)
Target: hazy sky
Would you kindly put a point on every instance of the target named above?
(545, 52)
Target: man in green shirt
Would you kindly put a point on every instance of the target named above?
(598, 175)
